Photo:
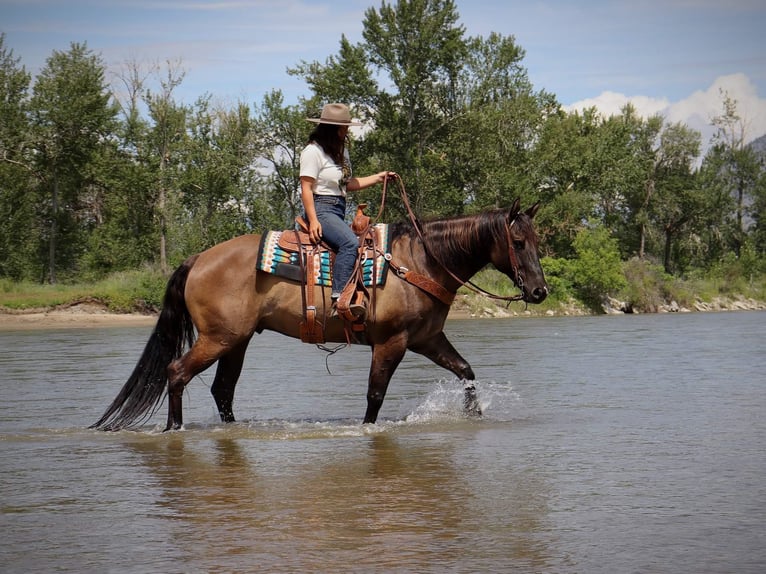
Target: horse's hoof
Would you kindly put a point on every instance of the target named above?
(471, 405)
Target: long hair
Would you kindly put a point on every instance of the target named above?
(326, 136)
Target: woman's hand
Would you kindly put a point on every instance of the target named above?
(381, 176)
(315, 231)
(357, 183)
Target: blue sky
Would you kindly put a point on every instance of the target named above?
(666, 56)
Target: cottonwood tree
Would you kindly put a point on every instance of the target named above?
(72, 117)
(678, 200)
(740, 166)
(218, 176)
(128, 236)
(281, 132)
(18, 225)
(165, 138)
(455, 116)
(415, 50)
(731, 173)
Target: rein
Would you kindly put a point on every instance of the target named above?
(518, 278)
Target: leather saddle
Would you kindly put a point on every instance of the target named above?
(298, 240)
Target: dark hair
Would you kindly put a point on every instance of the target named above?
(326, 136)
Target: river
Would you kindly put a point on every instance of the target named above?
(615, 444)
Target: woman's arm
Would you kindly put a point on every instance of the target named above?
(307, 197)
(357, 183)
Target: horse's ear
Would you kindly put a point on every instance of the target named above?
(514, 209)
(532, 211)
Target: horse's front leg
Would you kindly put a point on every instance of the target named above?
(385, 358)
(440, 351)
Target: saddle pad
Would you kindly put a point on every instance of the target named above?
(274, 259)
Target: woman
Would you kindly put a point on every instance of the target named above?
(326, 177)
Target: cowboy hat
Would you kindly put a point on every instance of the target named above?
(335, 114)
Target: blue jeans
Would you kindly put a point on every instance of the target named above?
(331, 213)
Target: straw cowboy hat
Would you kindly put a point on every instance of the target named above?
(335, 114)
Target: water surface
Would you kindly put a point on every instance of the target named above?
(609, 444)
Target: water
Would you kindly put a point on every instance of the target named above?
(609, 444)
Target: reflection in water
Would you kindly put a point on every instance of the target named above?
(210, 489)
(377, 501)
(390, 504)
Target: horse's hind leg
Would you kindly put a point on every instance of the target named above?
(226, 377)
(440, 351)
(182, 370)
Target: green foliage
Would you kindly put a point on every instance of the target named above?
(132, 291)
(738, 274)
(27, 295)
(597, 270)
(85, 192)
(123, 292)
(649, 287)
(559, 275)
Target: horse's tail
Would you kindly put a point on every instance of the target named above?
(144, 389)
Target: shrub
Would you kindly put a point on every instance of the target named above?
(648, 286)
(597, 270)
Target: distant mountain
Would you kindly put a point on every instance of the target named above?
(759, 146)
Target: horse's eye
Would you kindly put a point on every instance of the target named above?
(518, 245)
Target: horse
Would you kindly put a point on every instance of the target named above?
(216, 301)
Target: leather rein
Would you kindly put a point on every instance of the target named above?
(429, 285)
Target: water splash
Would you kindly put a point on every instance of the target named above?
(446, 401)
(442, 404)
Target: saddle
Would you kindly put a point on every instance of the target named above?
(355, 291)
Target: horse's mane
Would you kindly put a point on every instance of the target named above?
(462, 235)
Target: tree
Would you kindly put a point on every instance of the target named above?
(417, 48)
(758, 213)
(488, 151)
(677, 199)
(455, 116)
(640, 165)
(282, 132)
(17, 210)
(164, 140)
(127, 235)
(563, 179)
(217, 177)
(738, 167)
(597, 271)
(72, 117)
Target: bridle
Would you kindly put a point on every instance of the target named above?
(518, 278)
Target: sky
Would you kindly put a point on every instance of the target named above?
(673, 57)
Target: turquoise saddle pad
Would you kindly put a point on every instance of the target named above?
(275, 260)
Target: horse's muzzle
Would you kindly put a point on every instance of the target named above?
(536, 295)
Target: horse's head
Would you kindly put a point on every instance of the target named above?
(517, 256)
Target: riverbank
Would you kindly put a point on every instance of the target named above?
(92, 314)
(81, 315)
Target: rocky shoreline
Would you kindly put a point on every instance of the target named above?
(489, 309)
(615, 307)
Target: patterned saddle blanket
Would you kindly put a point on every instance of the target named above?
(278, 255)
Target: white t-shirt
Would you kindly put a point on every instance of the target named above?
(327, 175)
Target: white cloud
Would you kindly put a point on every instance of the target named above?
(610, 104)
(697, 110)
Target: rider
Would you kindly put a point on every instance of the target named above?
(326, 177)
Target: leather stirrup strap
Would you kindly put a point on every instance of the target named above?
(310, 329)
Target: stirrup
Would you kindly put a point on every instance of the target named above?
(358, 310)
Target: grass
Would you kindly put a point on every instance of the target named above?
(124, 292)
